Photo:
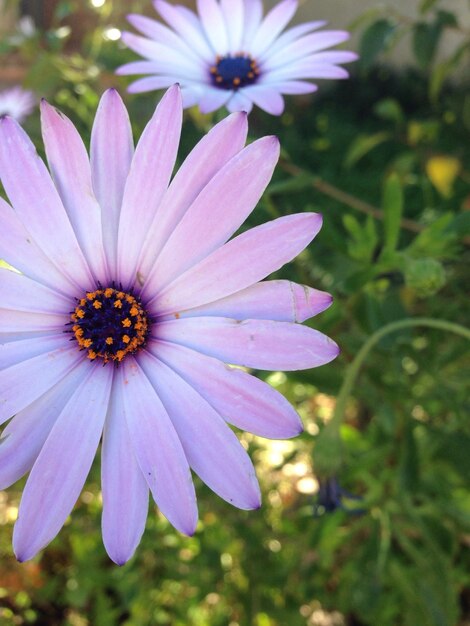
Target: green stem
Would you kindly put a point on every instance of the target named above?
(331, 432)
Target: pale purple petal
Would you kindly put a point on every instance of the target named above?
(24, 294)
(187, 28)
(12, 321)
(306, 68)
(290, 35)
(214, 25)
(213, 98)
(209, 223)
(125, 491)
(279, 300)
(242, 400)
(18, 248)
(306, 46)
(151, 83)
(239, 102)
(291, 87)
(158, 32)
(166, 58)
(138, 67)
(24, 382)
(13, 352)
(37, 203)
(240, 263)
(334, 57)
(70, 168)
(266, 98)
(191, 95)
(63, 464)
(158, 449)
(212, 449)
(259, 344)
(234, 14)
(272, 25)
(111, 153)
(25, 435)
(253, 17)
(148, 180)
(214, 150)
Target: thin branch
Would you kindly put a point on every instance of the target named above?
(355, 203)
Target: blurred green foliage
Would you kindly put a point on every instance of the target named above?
(385, 158)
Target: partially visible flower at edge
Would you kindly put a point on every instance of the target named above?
(229, 55)
(132, 299)
(25, 29)
(17, 102)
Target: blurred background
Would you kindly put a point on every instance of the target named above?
(367, 528)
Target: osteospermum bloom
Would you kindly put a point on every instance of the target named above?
(229, 55)
(130, 303)
(17, 102)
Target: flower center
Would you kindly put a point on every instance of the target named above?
(232, 72)
(109, 324)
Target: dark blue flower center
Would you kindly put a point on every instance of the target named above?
(233, 72)
(109, 324)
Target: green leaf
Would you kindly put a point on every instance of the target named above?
(363, 145)
(375, 40)
(443, 70)
(425, 41)
(409, 460)
(446, 18)
(427, 5)
(435, 240)
(460, 225)
(389, 109)
(392, 205)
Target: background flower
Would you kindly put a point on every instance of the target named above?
(138, 272)
(229, 55)
(17, 102)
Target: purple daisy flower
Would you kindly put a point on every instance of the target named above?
(17, 102)
(229, 55)
(129, 304)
